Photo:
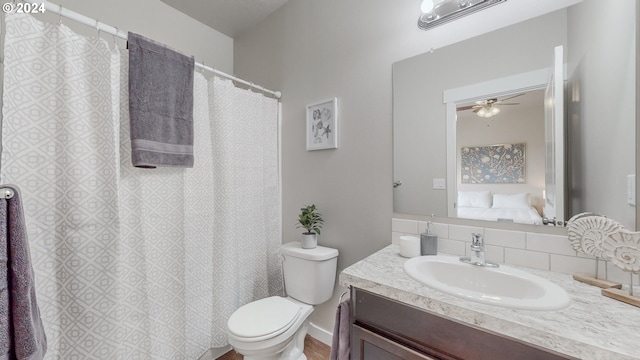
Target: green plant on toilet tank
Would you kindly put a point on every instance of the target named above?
(310, 220)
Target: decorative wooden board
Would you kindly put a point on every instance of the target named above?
(604, 284)
(621, 295)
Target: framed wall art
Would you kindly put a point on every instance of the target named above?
(322, 125)
(493, 164)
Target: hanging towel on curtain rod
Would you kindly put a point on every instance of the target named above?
(160, 104)
(21, 334)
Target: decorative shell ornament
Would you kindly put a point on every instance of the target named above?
(623, 249)
(588, 232)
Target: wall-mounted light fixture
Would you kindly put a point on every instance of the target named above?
(438, 12)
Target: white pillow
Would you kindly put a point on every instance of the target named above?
(515, 201)
(474, 199)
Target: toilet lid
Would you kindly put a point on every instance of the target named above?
(269, 316)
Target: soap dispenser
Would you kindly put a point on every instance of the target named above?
(428, 242)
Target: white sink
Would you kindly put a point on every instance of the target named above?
(503, 286)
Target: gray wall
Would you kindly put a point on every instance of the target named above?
(602, 118)
(314, 50)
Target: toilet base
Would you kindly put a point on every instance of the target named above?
(293, 350)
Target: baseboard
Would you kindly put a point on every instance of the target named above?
(320, 334)
(215, 353)
(315, 332)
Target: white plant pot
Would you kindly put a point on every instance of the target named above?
(309, 241)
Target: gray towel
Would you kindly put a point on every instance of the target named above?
(160, 104)
(21, 332)
(340, 346)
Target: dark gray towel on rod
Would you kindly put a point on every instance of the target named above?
(160, 104)
(340, 345)
(21, 332)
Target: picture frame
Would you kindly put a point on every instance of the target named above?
(322, 125)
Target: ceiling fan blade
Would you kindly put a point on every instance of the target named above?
(509, 104)
(511, 97)
(476, 110)
(462, 108)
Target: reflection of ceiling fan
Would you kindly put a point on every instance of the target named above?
(487, 108)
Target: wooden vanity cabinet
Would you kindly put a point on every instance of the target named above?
(382, 328)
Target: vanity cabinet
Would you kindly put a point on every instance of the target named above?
(382, 328)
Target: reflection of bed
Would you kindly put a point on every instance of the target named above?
(520, 216)
(482, 205)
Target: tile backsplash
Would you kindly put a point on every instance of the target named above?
(535, 250)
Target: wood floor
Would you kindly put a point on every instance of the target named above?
(314, 349)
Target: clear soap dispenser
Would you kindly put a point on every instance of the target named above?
(428, 241)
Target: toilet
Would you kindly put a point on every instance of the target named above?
(275, 327)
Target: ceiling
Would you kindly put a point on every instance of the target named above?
(532, 98)
(230, 17)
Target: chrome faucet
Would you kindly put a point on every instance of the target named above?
(477, 246)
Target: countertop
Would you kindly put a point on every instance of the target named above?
(592, 327)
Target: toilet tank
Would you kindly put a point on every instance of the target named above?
(309, 274)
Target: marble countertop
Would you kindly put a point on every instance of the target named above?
(592, 327)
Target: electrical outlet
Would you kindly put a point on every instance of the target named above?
(439, 184)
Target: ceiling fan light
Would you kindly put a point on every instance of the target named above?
(482, 112)
(494, 110)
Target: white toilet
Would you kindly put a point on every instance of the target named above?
(275, 327)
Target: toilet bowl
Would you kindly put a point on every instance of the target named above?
(275, 327)
(271, 328)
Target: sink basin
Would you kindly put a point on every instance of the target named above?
(503, 286)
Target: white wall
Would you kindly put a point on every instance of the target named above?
(602, 107)
(313, 50)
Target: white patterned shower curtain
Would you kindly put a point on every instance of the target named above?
(135, 263)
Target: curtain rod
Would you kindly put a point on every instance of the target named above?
(59, 10)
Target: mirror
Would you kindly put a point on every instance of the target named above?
(499, 158)
(599, 52)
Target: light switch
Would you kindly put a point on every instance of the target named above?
(439, 184)
(631, 189)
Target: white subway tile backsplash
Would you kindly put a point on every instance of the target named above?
(395, 237)
(602, 269)
(572, 264)
(461, 232)
(540, 251)
(452, 247)
(585, 256)
(404, 226)
(616, 274)
(533, 259)
(554, 244)
(494, 253)
(442, 230)
(505, 238)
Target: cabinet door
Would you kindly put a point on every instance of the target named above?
(366, 345)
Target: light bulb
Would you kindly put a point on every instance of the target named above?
(482, 112)
(426, 6)
(494, 110)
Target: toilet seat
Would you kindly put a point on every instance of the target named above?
(263, 319)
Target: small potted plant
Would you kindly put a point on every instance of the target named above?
(312, 222)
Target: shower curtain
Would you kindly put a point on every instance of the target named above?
(135, 263)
